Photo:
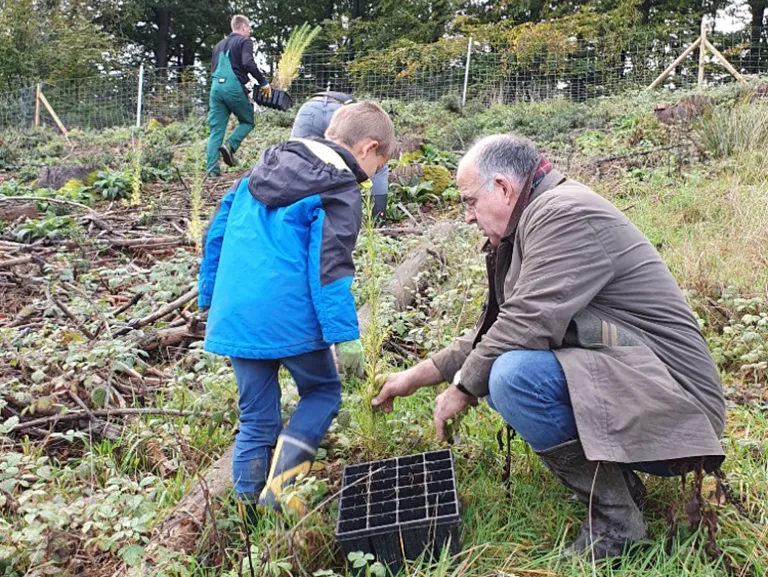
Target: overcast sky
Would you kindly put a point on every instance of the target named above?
(734, 17)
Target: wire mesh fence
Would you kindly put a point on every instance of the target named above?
(473, 71)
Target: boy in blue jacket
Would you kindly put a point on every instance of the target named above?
(276, 274)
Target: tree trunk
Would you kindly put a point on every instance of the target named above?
(758, 16)
(163, 22)
(645, 11)
(188, 54)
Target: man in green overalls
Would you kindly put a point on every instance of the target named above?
(231, 63)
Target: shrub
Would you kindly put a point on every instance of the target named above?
(451, 102)
(727, 131)
(438, 175)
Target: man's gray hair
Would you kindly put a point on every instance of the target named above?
(512, 156)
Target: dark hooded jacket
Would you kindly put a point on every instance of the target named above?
(277, 263)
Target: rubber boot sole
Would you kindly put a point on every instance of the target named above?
(227, 156)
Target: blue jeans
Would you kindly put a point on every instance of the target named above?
(313, 119)
(260, 421)
(528, 389)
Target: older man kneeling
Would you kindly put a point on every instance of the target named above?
(587, 346)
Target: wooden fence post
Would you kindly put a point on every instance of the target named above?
(702, 52)
(38, 92)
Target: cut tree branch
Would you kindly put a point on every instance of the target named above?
(76, 416)
(159, 313)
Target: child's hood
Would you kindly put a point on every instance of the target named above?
(290, 171)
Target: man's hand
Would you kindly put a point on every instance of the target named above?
(448, 404)
(266, 91)
(396, 385)
(351, 358)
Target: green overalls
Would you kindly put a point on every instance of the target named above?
(227, 97)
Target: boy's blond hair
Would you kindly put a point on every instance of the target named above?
(354, 122)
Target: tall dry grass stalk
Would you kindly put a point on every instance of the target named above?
(728, 131)
(727, 245)
(290, 60)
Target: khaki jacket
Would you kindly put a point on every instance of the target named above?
(578, 278)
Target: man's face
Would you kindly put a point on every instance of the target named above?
(489, 210)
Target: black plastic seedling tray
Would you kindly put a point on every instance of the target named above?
(280, 99)
(409, 505)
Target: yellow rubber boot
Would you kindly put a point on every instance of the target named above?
(291, 458)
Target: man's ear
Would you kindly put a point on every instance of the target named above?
(508, 189)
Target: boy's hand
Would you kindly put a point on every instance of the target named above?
(351, 358)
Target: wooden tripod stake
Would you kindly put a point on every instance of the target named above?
(703, 44)
(41, 99)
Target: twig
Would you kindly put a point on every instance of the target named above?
(80, 324)
(396, 232)
(591, 535)
(102, 224)
(36, 258)
(82, 405)
(401, 206)
(88, 299)
(134, 299)
(16, 261)
(181, 178)
(158, 314)
(74, 416)
(45, 199)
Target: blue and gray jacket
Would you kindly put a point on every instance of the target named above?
(277, 257)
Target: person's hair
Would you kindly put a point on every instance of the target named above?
(354, 122)
(239, 21)
(512, 156)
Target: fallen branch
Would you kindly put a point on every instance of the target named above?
(142, 242)
(76, 416)
(402, 285)
(159, 313)
(169, 337)
(46, 199)
(134, 299)
(102, 224)
(396, 232)
(16, 261)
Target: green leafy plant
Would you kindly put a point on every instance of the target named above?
(113, 185)
(13, 188)
(53, 228)
(412, 194)
(451, 194)
(366, 561)
(433, 155)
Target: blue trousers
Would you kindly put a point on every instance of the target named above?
(260, 421)
(313, 119)
(528, 389)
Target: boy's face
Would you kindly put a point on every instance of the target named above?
(367, 156)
